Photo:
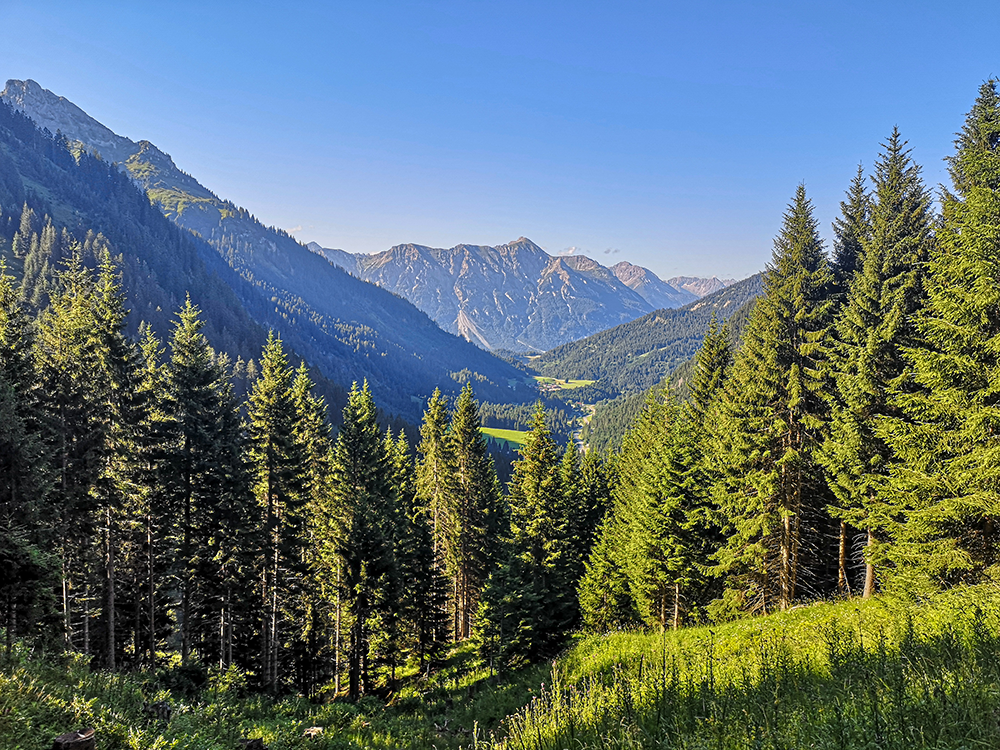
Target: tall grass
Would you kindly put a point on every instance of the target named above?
(878, 674)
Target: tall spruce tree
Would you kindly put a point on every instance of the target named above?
(850, 230)
(871, 332)
(363, 500)
(276, 461)
(472, 499)
(945, 485)
(25, 564)
(529, 603)
(771, 492)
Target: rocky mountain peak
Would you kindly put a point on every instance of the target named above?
(59, 114)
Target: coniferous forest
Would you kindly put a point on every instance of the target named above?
(160, 506)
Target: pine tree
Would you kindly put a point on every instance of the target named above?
(771, 493)
(945, 487)
(874, 326)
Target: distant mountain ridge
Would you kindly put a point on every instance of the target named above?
(514, 296)
(349, 329)
(700, 287)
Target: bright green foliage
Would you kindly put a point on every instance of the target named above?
(874, 326)
(771, 493)
(434, 470)
(366, 518)
(855, 674)
(309, 612)
(276, 462)
(530, 601)
(946, 484)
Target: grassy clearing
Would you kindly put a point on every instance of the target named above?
(877, 674)
(514, 438)
(562, 385)
(43, 698)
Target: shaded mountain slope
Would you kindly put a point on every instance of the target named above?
(349, 329)
(635, 356)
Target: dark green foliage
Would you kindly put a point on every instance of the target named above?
(771, 492)
(636, 356)
(851, 229)
(944, 486)
(364, 501)
(874, 326)
(529, 603)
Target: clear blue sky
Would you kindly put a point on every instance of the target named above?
(668, 134)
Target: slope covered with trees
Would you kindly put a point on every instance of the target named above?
(636, 356)
(241, 272)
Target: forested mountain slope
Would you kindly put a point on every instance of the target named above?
(635, 356)
(348, 328)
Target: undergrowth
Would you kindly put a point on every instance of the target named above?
(877, 674)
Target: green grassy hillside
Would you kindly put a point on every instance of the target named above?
(879, 674)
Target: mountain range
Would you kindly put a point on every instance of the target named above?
(347, 328)
(515, 296)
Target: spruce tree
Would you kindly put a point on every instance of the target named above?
(363, 501)
(945, 487)
(871, 332)
(850, 230)
(771, 493)
(473, 506)
(276, 461)
(26, 567)
(529, 602)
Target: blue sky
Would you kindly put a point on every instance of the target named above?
(668, 134)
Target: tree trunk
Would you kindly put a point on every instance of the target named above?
(110, 614)
(843, 584)
(677, 605)
(869, 568)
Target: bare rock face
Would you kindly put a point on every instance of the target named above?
(700, 287)
(514, 296)
(60, 115)
(658, 293)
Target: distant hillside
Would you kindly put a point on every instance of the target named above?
(514, 297)
(635, 356)
(349, 329)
